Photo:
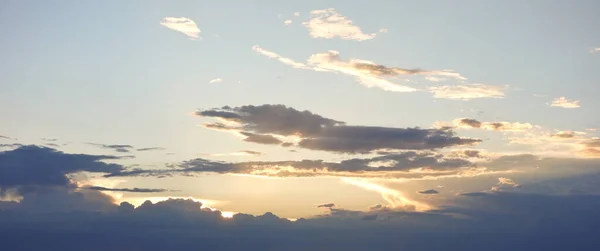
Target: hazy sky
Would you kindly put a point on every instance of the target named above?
(282, 106)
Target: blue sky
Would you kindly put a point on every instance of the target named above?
(488, 83)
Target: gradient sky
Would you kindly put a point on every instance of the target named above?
(83, 76)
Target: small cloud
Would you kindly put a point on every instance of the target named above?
(327, 205)
(131, 190)
(430, 191)
(565, 103)
(151, 149)
(117, 148)
(287, 22)
(595, 50)
(296, 14)
(467, 91)
(474, 194)
(507, 181)
(329, 24)
(383, 30)
(492, 126)
(182, 24)
(49, 140)
(4, 137)
(216, 80)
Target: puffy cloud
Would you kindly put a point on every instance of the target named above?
(117, 148)
(366, 72)
(467, 91)
(216, 80)
(40, 166)
(287, 22)
(151, 149)
(430, 191)
(320, 133)
(131, 190)
(492, 126)
(182, 24)
(565, 103)
(330, 24)
(326, 205)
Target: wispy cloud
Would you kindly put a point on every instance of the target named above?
(182, 24)
(565, 103)
(368, 73)
(216, 80)
(595, 50)
(492, 126)
(284, 60)
(296, 14)
(468, 91)
(330, 24)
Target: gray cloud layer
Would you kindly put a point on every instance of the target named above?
(259, 123)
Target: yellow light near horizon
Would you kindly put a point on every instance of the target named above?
(228, 214)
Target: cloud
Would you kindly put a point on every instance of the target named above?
(467, 91)
(117, 148)
(330, 24)
(595, 50)
(296, 14)
(261, 138)
(131, 190)
(366, 72)
(182, 24)
(430, 191)
(151, 149)
(287, 22)
(410, 165)
(41, 166)
(51, 140)
(327, 205)
(507, 181)
(591, 148)
(319, 133)
(4, 137)
(216, 80)
(565, 103)
(492, 126)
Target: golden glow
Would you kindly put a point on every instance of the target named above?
(394, 197)
(228, 214)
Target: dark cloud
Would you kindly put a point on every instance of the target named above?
(275, 119)
(362, 139)
(474, 194)
(320, 133)
(131, 190)
(253, 153)
(326, 205)
(52, 145)
(487, 223)
(403, 161)
(4, 137)
(151, 149)
(41, 166)
(430, 191)
(261, 138)
(117, 148)
(470, 122)
(382, 70)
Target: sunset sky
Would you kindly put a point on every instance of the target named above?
(305, 109)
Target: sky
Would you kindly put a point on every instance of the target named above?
(362, 118)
